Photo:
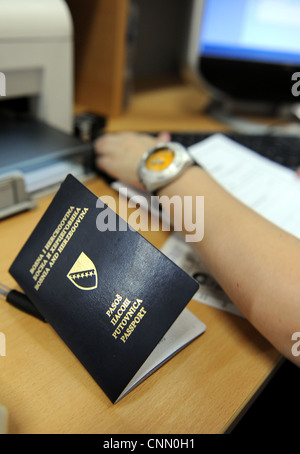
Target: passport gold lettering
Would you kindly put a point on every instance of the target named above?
(55, 245)
(120, 311)
(113, 306)
(133, 324)
(42, 278)
(125, 315)
(56, 231)
(53, 260)
(40, 269)
(70, 225)
(36, 263)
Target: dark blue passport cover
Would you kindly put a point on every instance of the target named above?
(111, 295)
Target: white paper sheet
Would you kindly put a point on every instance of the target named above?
(270, 189)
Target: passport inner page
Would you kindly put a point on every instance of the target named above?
(184, 330)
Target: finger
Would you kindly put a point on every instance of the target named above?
(99, 145)
(106, 143)
(164, 136)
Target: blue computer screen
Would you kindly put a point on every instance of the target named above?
(253, 30)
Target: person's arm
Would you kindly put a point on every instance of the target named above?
(256, 263)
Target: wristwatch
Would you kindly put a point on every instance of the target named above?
(163, 164)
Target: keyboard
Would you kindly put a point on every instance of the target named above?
(283, 149)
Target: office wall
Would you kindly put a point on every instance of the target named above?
(163, 28)
(119, 44)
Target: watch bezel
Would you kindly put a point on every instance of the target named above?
(153, 179)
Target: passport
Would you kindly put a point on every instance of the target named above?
(117, 302)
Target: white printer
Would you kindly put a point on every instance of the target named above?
(36, 57)
(37, 145)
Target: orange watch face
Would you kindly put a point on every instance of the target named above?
(160, 159)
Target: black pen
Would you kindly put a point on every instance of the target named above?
(20, 301)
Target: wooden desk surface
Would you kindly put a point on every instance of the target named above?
(203, 389)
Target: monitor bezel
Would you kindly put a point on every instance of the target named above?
(236, 79)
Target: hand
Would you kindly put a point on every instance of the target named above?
(119, 154)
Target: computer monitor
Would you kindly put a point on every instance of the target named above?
(247, 51)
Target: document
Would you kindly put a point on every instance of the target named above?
(117, 302)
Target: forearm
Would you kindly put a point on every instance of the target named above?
(256, 263)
